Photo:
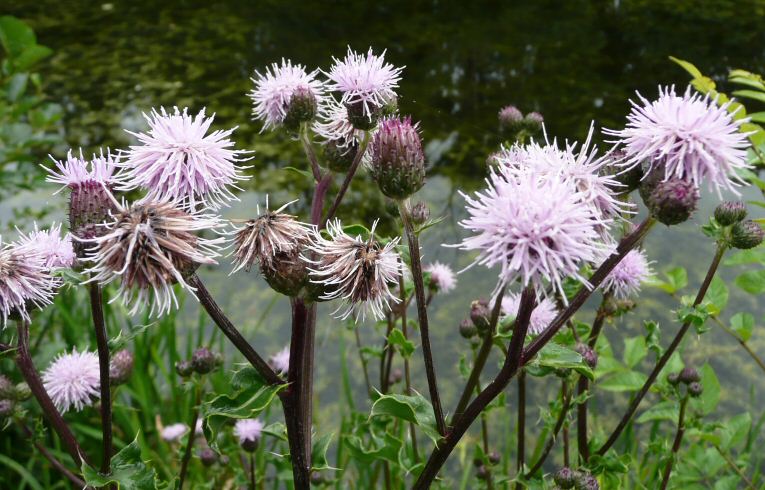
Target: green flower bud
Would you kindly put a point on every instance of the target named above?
(730, 212)
(746, 234)
(398, 162)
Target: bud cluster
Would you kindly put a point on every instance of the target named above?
(566, 478)
(203, 361)
(689, 377)
(512, 120)
(10, 395)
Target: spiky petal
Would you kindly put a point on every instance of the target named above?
(73, 380)
(56, 251)
(248, 430)
(281, 361)
(148, 247)
(441, 277)
(541, 317)
(25, 281)
(275, 88)
(625, 280)
(173, 432)
(689, 137)
(178, 161)
(533, 237)
(355, 270)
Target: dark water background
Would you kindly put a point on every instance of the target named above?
(573, 61)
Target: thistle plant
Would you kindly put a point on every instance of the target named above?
(554, 226)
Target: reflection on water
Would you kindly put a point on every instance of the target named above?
(573, 61)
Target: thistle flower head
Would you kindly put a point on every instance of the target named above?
(73, 380)
(333, 125)
(582, 167)
(625, 279)
(120, 367)
(281, 361)
(55, 251)
(261, 239)
(441, 277)
(178, 161)
(25, 281)
(365, 82)
(355, 270)
(541, 317)
(76, 171)
(275, 88)
(510, 118)
(148, 247)
(248, 430)
(173, 432)
(688, 137)
(397, 159)
(518, 225)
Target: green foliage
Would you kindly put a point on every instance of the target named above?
(129, 471)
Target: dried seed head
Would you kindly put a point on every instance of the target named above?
(25, 282)
(355, 270)
(148, 248)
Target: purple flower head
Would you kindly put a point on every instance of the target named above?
(56, 251)
(541, 317)
(248, 430)
(583, 168)
(275, 87)
(365, 80)
(334, 125)
(534, 227)
(25, 281)
(441, 276)
(397, 160)
(173, 432)
(76, 172)
(625, 280)
(178, 161)
(355, 270)
(281, 361)
(148, 248)
(689, 137)
(73, 380)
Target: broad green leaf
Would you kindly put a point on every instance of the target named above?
(758, 117)
(15, 35)
(635, 351)
(554, 355)
(717, 296)
(31, 56)
(375, 449)
(667, 410)
(623, 381)
(319, 452)
(753, 282)
(750, 94)
(415, 409)
(743, 324)
(743, 257)
(677, 279)
(129, 472)
(403, 345)
(735, 430)
(710, 397)
(688, 66)
(251, 396)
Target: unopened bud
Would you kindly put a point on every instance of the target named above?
(395, 377)
(479, 314)
(746, 234)
(483, 473)
(207, 456)
(90, 204)
(673, 379)
(398, 162)
(533, 122)
(695, 389)
(494, 457)
(420, 213)
(510, 118)
(361, 118)
(730, 212)
(689, 375)
(184, 369)
(589, 356)
(317, 479)
(224, 460)
(23, 392)
(203, 360)
(467, 329)
(7, 391)
(565, 477)
(120, 367)
(301, 108)
(286, 273)
(6, 408)
(587, 482)
(340, 158)
(674, 201)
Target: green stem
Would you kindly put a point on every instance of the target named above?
(676, 443)
(192, 435)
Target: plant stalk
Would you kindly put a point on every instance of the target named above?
(348, 178)
(676, 443)
(68, 474)
(407, 377)
(566, 401)
(192, 435)
(102, 341)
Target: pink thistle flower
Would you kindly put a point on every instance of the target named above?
(441, 276)
(281, 361)
(274, 90)
(173, 432)
(73, 380)
(364, 80)
(248, 430)
(178, 161)
(56, 251)
(24, 281)
(541, 317)
(531, 236)
(148, 248)
(625, 280)
(355, 270)
(584, 168)
(334, 125)
(688, 137)
(76, 172)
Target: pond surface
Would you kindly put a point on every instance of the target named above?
(574, 62)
